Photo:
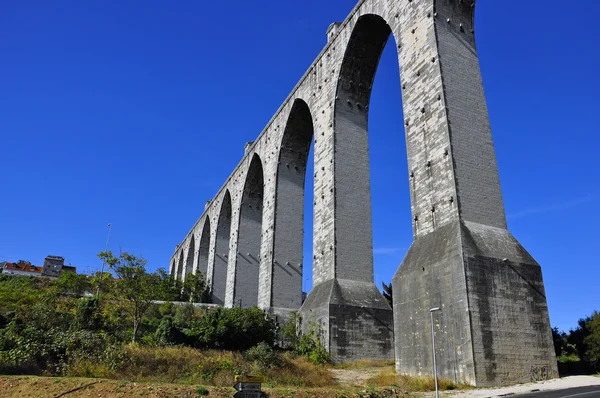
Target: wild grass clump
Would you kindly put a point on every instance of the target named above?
(299, 371)
(190, 366)
(412, 383)
(366, 363)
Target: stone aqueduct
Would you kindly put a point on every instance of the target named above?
(494, 327)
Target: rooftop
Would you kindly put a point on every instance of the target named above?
(22, 266)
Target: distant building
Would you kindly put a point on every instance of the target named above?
(69, 268)
(24, 268)
(53, 267)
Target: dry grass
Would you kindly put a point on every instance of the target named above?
(42, 387)
(412, 383)
(190, 366)
(365, 364)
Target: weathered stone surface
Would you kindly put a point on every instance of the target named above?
(494, 321)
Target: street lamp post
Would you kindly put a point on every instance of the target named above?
(102, 269)
(431, 311)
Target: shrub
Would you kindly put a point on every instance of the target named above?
(183, 315)
(263, 356)
(31, 350)
(167, 334)
(309, 345)
(87, 315)
(411, 383)
(232, 329)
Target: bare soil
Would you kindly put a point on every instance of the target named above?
(43, 387)
(355, 377)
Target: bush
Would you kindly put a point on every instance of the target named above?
(263, 356)
(30, 350)
(232, 329)
(183, 315)
(308, 345)
(167, 334)
(87, 315)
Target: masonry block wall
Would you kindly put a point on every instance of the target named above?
(494, 326)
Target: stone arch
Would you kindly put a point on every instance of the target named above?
(289, 208)
(222, 241)
(180, 266)
(203, 249)
(353, 218)
(189, 262)
(249, 237)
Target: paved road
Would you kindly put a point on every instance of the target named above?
(579, 392)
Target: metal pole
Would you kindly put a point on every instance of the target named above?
(105, 250)
(437, 392)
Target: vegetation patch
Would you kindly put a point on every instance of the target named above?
(413, 383)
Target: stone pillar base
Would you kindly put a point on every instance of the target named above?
(493, 328)
(353, 319)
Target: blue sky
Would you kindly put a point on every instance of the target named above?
(136, 112)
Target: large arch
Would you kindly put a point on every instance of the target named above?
(203, 249)
(354, 248)
(289, 208)
(189, 262)
(180, 266)
(249, 237)
(219, 277)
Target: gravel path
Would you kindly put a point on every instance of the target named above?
(354, 377)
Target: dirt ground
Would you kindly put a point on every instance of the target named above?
(41, 387)
(352, 385)
(354, 377)
(55, 387)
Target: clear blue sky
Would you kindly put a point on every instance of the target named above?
(135, 113)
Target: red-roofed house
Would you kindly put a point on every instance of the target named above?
(21, 268)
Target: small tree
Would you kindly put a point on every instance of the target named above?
(134, 285)
(101, 281)
(387, 293)
(195, 289)
(168, 287)
(70, 282)
(592, 342)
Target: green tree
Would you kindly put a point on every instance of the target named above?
(70, 282)
(592, 342)
(289, 332)
(101, 282)
(195, 289)
(232, 329)
(87, 314)
(134, 285)
(576, 337)
(168, 288)
(560, 340)
(387, 293)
